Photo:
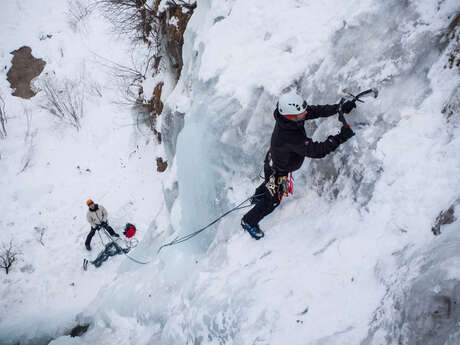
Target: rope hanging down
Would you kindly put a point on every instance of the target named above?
(178, 239)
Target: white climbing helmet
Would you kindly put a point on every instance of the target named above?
(291, 103)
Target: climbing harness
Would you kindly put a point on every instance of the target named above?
(287, 184)
(279, 185)
(271, 185)
(181, 239)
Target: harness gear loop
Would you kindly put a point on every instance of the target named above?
(279, 185)
(283, 187)
(272, 186)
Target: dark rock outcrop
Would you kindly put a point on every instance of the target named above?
(445, 217)
(161, 164)
(25, 67)
(79, 330)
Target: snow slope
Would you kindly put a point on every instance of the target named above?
(350, 258)
(49, 170)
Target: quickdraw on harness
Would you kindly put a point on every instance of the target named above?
(279, 186)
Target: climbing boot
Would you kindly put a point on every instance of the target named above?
(254, 231)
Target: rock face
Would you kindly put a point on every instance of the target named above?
(162, 28)
(79, 330)
(161, 164)
(24, 68)
(174, 22)
(444, 218)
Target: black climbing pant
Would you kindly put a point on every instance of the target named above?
(267, 203)
(104, 225)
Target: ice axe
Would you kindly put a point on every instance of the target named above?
(370, 92)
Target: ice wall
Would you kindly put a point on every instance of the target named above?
(345, 260)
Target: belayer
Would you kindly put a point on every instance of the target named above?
(288, 148)
(97, 217)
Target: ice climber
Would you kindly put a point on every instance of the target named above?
(97, 217)
(288, 148)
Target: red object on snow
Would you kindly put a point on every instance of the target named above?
(130, 230)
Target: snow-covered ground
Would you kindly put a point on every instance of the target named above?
(349, 259)
(49, 170)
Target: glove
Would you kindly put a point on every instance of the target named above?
(345, 134)
(348, 106)
(342, 119)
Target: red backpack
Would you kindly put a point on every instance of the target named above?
(130, 230)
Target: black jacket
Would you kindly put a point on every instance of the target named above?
(290, 144)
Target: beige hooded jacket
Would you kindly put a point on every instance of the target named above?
(97, 216)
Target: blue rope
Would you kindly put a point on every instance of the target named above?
(178, 240)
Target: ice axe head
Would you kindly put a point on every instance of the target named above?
(370, 92)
